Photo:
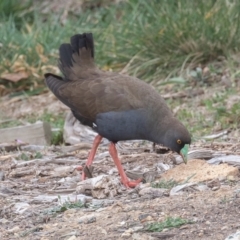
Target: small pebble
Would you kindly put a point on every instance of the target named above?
(3, 220)
(70, 211)
(128, 233)
(224, 228)
(234, 236)
(2, 176)
(14, 229)
(215, 188)
(72, 238)
(91, 220)
(231, 178)
(184, 227)
(145, 218)
(152, 192)
(87, 219)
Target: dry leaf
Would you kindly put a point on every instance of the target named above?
(14, 77)
(40, 50)
(3, 91)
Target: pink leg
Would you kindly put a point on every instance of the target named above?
(92, 153)
(124, 179)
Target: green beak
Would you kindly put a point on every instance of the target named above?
(184, 153)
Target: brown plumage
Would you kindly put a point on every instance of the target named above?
(117, 106)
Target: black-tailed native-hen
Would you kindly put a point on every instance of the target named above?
(118, 107)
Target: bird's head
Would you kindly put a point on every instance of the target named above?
(177, 138)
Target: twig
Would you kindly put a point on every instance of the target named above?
(217, 135)
(46, 161)
(134, 157)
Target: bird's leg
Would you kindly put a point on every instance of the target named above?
(124, 178)
(92, 153)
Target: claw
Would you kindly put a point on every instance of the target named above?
(131, 184)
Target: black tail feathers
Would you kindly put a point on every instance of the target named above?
(78, 42)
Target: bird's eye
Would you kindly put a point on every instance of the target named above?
(179, 141)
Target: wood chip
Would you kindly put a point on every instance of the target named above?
(22, 173)
(14, 77)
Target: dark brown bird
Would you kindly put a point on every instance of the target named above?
(118, 107)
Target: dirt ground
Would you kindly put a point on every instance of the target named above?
(40, 187)
(32, 193)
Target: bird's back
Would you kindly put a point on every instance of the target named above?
(89, 91)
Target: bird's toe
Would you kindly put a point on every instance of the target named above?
(131, 184)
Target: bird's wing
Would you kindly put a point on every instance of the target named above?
(90, 97)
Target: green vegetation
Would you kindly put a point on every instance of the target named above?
(216, 108)
(170, 222)
(64, 206)
(32, 230)
(174, 45)
(165, 184)
(57, 122)
(151, 40)
(168, 184)
(28, 156)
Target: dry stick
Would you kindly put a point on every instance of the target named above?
(133, 157)
(46, 161)
(80, 146)
(62, 190)
(221, 144)
(56, 160)
(217, 135)
(3, 195)
(22, 173)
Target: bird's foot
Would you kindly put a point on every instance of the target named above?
(131, 184)
(86, 172)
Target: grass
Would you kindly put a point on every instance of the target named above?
(218, 108)
(32, 230)
(64, 206)
(224, 200)
(168, 184)
(169, 222)
(165, 184)
(57, 122)
(28, 156)
(168, 44)
(150, 40)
